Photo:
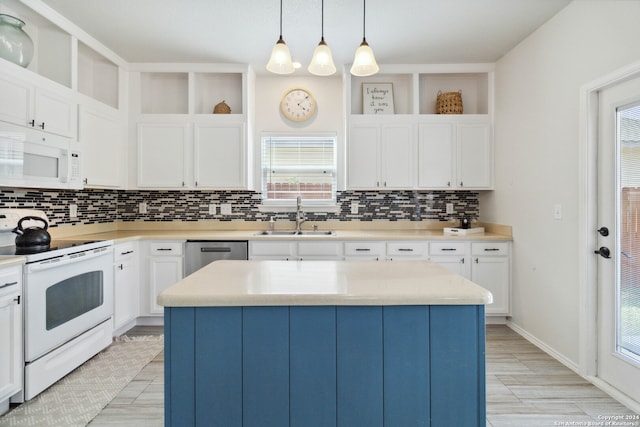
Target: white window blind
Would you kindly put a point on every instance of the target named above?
(629, 226)
(295, 166)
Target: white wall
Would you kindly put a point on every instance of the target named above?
(329, 115)
(536, 156)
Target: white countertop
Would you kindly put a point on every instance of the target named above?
(284, 283)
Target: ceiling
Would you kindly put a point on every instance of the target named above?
(244, 31)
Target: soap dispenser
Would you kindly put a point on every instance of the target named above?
(272, 224)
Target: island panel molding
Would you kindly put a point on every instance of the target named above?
(325, 366)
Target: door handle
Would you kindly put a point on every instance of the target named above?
(604, 252)
(604, 231)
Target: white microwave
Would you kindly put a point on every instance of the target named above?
(35, 159)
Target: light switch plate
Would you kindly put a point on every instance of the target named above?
(225, 209)
(354, 208)
(557, 211)
(212, 209)
(73, 210)
(142, 208)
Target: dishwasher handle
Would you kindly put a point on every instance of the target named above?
(215, 249)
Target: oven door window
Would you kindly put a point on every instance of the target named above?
(73, 297)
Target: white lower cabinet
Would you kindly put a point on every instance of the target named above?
(407, 251)
(10, 334)
(490, 268)
(295, 250)
(275, 250)
(487, 264)
(165, 267)
(365, 251)
(126, 284)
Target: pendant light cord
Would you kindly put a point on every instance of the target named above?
(364, 21)
(322, 21)
(281, 19)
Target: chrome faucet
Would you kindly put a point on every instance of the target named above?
(299, 214)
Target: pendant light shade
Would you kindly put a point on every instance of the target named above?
(322, 61)
(280, 61)
(364, 63)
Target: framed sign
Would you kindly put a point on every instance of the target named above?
(377, 98)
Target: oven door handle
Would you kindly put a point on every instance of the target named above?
(66, 259)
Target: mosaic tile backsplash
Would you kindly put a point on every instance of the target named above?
(106, 206)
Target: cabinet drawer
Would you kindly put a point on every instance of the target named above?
(280, 248)
(10, 280)
(329, 249)
(447, 248)
(165, 248)
(125, 250)
(490, 248)
(408, 249)
(369, 249)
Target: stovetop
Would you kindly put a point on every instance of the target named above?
(55, 245)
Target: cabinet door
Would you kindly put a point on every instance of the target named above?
(161, 155)
(456, 264)
(435, 156)
(103, 148)
(492, 273)
(397, 157)
(362, 157)
(10, 333)
(126, 285)
(164, 272)
(474, 156)
(219, 157)
(54, 112)
(16, 105)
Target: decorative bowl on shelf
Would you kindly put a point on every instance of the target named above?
(15, 45)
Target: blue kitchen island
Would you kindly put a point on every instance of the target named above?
(324, 343)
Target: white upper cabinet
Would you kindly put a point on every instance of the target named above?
(454, 151)
(436, 146)
(161, 155)
(455, 156)
(37, 105)
(214, 148)
(102, 137)
(381, 156)
(474, 154)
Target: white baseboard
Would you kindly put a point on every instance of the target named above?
(605, 387)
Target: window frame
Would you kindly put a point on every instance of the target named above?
(285, 205)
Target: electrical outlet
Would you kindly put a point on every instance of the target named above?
(354, 208)
(225, 209)
(450, 208)
(212, 209)
(142, 208)
(73, 210)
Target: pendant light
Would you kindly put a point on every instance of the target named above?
(280, 61)
(364, 63)
(322, 61)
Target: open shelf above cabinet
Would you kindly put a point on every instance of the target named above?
(415, 88)
(164, 93)
(52, 45)
(97, 76)
(190, 92)
(474, 88)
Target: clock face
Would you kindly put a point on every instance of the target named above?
(298, 104)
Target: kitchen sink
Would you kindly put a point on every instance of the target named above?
(295, 233)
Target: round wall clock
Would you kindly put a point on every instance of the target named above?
(298, 104)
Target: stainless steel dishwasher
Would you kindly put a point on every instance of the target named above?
(199, 253)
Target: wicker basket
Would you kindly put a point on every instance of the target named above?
(449, 102)
(222, 108)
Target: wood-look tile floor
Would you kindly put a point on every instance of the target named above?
(525, 387)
